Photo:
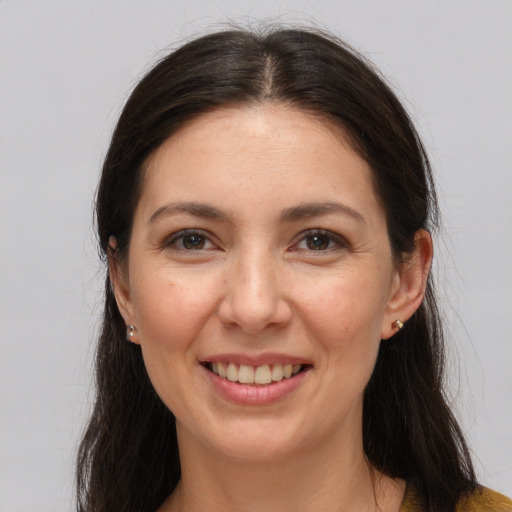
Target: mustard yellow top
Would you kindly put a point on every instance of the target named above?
(482, 500)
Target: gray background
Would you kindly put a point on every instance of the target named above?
(65, 69)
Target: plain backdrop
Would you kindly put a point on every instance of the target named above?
(66, 68)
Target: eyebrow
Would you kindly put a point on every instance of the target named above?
(318, 209)
(301, 211)
(192, 208)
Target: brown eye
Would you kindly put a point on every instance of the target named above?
(317, 242)
(320, 241)
(189, 241)
(193, 242)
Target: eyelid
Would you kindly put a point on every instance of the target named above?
(340, 241)
(170, 241)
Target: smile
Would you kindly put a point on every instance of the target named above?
(256, 375)
(256, 380)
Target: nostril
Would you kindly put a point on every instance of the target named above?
(253, 318)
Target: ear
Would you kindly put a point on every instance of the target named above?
(409, 286)
(121, 284)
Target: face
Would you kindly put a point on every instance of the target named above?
(260, 280)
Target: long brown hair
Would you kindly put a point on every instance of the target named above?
(128, 459)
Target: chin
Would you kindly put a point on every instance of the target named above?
(260, 449)
(249, 440)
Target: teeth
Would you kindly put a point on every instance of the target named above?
(277, 372)
(246, 374)
(262, 375)
(232, 372)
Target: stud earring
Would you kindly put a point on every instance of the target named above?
(398, 325)
(130, 332)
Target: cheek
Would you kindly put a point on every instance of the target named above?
(344, 319)
(171, 312)
(171, 309)
(346, 307)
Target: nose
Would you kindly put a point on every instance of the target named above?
(254, 299)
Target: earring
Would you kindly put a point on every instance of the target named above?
(398, 325)
(130, 332)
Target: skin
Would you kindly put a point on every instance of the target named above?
(255, 283)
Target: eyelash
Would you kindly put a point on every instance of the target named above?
(334, 239)
(176, 237)
(331, 238)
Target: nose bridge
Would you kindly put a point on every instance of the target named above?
(254, 296)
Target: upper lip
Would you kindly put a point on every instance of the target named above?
(256, 360)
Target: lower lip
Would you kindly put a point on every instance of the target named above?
(254, 394)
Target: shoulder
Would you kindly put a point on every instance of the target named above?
(480, 500)
(484, 500)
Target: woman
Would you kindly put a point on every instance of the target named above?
(271, 339)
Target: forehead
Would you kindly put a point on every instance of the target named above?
(274, 125)
(261, 152)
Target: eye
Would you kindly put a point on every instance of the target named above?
(318, 240)
(190, 240)
(193, 241)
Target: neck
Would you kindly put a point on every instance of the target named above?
(317, 479)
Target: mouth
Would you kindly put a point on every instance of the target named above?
(263, 375)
